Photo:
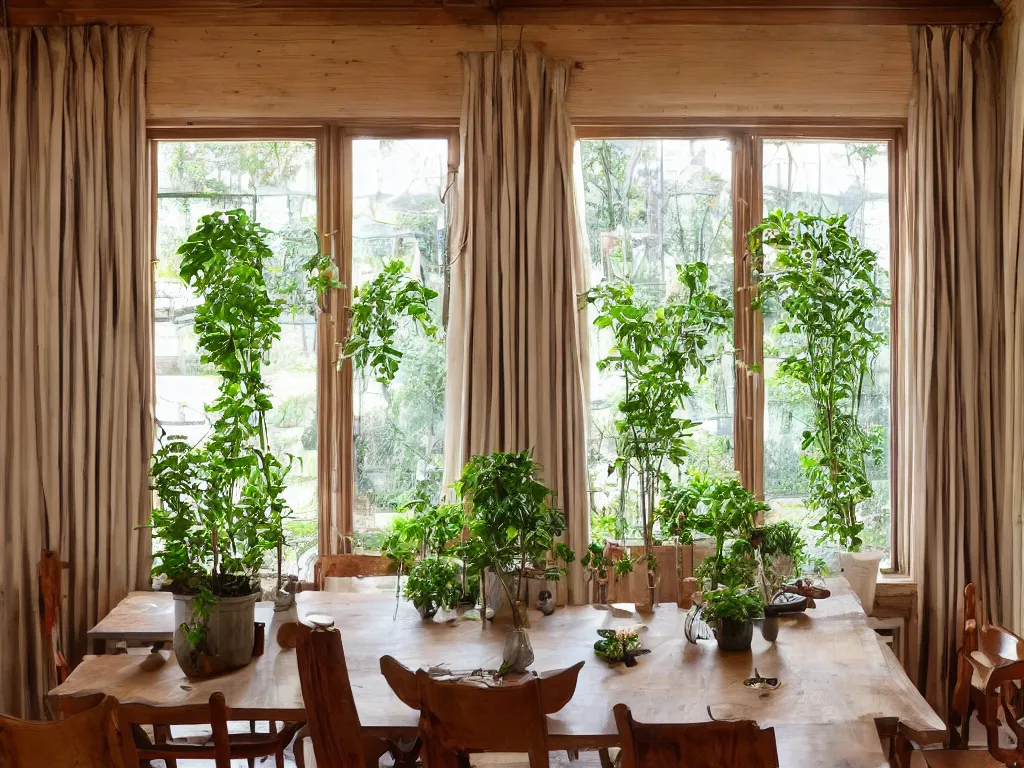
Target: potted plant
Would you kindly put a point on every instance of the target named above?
(597, 566)
(512, 531)
(731, 611)
(825, 287)
(727, 512)
(660, 351)
(421, 543)
(222, 504)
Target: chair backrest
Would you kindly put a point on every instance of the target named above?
(89, 739)
(327, 697)
(346, 566)
(458, 718)
(738, 744)
(213, 714)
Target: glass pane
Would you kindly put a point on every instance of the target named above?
(652, 204)
(398, 213)
(826, 178)
(276, 183)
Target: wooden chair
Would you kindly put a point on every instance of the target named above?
(739, 744)
(222, 747)
(89, 739)
(458, 719)
(348, 566)
(990, 659)
(331, 716)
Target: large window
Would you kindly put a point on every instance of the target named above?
(650, 204)
(274, 181)
(398, 212)
(826, 178)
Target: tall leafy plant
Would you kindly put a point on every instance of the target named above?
(826, 287)
(377, 307)
(661, 352)
(512, 527)
(222, 503)
(724, 510)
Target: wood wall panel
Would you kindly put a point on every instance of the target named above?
(365, 73)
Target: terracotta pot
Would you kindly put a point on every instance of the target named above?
(770, 628)
(229, 638)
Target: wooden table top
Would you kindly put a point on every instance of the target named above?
(828, 660)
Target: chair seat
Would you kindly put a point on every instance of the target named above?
(959, 758)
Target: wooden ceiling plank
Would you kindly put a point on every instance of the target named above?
(477, 12)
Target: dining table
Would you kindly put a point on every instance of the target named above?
(834, 681)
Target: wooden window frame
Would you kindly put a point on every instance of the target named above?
(337, 538)
(748, 137)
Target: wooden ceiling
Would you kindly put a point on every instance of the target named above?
(440, 12)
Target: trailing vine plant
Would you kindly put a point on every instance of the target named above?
(661, 352)
(377, 307)
(826, 286)
(222, 504)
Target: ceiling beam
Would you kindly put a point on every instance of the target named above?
(512, 12)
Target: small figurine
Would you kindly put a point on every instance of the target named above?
(545, 603)
(285, 598)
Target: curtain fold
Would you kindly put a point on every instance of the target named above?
(516, 361)
(950, 342)
(76, 354)
(1012, 32)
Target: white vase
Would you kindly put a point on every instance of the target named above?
(861, 570)
(517, 655)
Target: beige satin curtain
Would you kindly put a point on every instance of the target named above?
(76, 349)
(1012, 34)
(515, 358)
(950, 402)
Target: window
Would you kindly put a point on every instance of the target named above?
(826, 178)
(650, 205)
(398, 212)
(274, 181)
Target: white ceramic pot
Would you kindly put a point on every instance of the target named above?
(861, 570)
(229, 638)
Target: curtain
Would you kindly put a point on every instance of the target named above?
(76, 351)
(950, 343)
(1012, 32)
(515, 358)
(334, 400)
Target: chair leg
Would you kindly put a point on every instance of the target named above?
(572, 754)
(606, 758)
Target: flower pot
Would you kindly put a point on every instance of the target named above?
(229, 637)
(734, 635)
(517, 655)
(861, 570)
(770, 628)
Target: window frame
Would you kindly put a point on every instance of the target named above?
(747, 138)
(350, 132)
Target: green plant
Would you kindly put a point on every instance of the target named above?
(435, 581)
(420, 542)
(222, 504)
(377, 307)
(594, 561)
(736, 603)
(826, 287)
(660, 352)
(512, 528)
(724, 510)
